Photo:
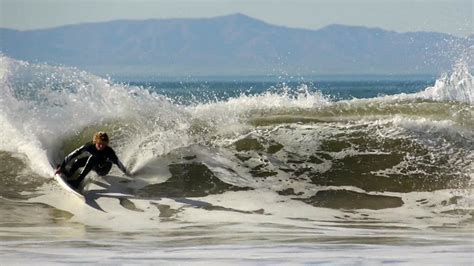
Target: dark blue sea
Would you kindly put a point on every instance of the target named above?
(336, 88)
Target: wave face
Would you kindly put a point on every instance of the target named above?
(279, 153)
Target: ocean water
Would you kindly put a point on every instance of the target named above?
(321, 171)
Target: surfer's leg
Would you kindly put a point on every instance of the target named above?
(77, 164)
(91, 162)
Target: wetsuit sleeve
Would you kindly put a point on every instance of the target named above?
(115, 160)
(72, 155)
(122, 167)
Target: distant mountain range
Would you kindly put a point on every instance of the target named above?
(232, 45)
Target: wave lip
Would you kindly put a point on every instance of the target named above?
(458, 86)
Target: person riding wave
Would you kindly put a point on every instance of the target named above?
(100, 159)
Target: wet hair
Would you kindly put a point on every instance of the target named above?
(100, 137)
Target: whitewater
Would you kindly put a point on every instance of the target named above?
(286, 175)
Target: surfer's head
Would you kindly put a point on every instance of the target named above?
(101, 140)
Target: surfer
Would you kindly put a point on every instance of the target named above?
(100, 159)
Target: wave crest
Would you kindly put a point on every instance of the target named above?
(457, 86)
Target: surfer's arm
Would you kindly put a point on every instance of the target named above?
(113, 157)
(71, 156)
(122, 168)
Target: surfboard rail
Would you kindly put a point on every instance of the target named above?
(65, 185)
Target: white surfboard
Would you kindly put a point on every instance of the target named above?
(62, 182)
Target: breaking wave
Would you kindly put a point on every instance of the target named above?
(304, 146)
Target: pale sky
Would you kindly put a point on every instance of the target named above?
(448, 16)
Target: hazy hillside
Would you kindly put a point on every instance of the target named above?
(232, 45)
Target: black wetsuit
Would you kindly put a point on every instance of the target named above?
(99, 161)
